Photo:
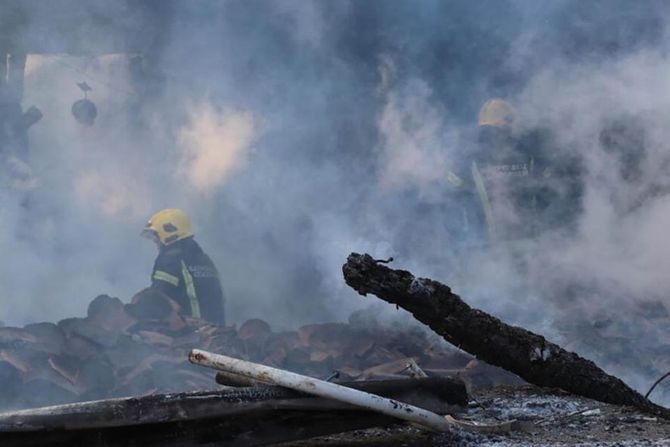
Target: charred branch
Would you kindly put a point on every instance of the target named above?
(515, 349)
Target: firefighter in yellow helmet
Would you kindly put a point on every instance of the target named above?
(182, 269)
(506, 174)
(497, 113)
(476, 181)
(525, 184)
(496, 128)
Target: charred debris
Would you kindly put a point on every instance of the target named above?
(142, 348)
(515, 349)
(85, 369)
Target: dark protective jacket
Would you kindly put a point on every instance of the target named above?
(513, 188)
(185, 273)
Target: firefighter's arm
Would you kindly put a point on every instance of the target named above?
(166, 275)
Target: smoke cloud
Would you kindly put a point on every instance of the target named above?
(410, 127)
(213, 145)
(295, 132)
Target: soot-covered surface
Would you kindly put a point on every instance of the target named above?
(553, 419)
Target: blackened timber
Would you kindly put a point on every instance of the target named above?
(254, 428)
(226, 378)
(249, 416)
(515, 349)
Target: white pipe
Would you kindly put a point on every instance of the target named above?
(321, 388)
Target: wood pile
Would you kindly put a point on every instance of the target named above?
(142, 348)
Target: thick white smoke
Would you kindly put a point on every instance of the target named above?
(295, 132)
(615, 261)
(213, 145)
(78, 235)
(621, 237)
(413, 147)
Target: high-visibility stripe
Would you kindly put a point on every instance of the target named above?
(190, 291)
(454, 179)
(165, 276)
(484, 199)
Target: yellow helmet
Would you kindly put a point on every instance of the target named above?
(497, 113)
(168, 226)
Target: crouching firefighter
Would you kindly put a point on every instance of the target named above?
(182, 269)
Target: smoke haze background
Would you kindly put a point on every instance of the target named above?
(294, 132)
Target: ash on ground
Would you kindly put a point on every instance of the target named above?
(550, 418)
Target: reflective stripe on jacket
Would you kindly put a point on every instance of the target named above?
(185, 273)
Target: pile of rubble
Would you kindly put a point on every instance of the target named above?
(141, 348)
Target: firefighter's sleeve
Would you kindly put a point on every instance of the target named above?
(166, 276)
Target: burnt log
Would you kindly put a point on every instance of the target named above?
(238, 417)
(515, 349)
(440, 395)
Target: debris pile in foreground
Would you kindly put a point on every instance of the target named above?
(232, 417)
(141, 348)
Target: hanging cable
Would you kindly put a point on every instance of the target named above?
(646, 396)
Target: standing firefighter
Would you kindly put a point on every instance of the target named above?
(514, 186)
(182, 269)
(503, 174)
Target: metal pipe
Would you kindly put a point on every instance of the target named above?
(321, 388)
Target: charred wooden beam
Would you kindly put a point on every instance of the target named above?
(251, 416)
(439, 394)
(226, 378)
(522, 352)
(261, 427)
